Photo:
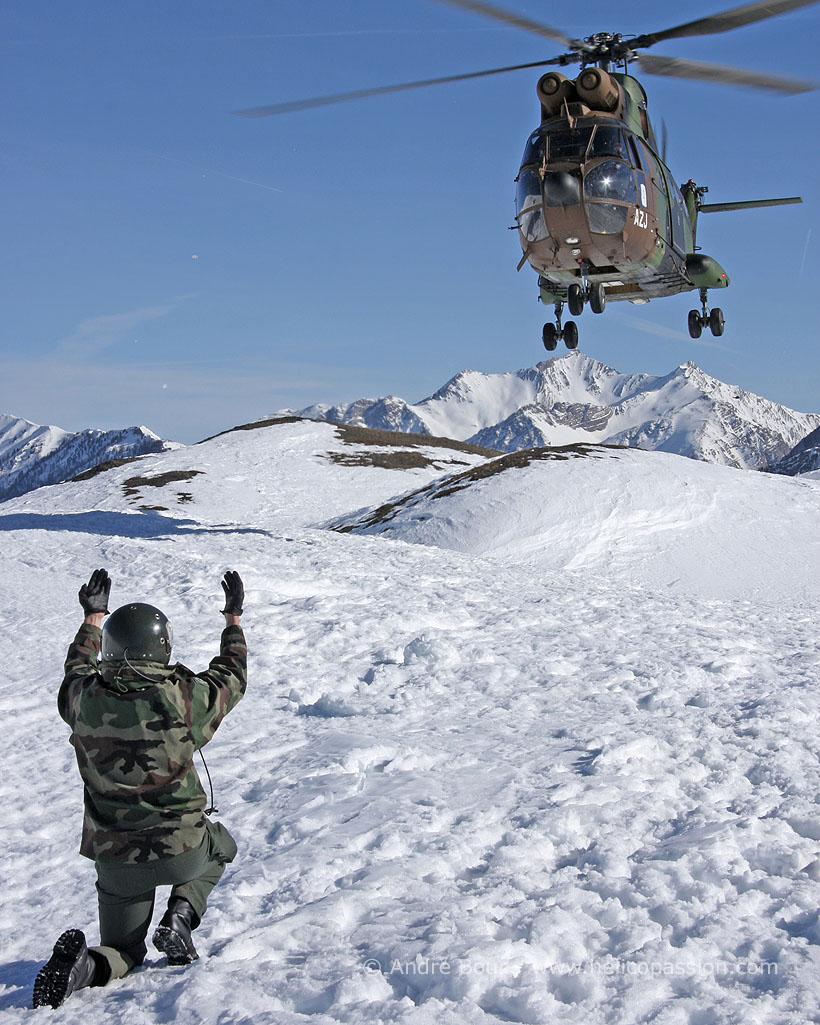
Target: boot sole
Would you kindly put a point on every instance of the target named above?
(173, 946)
(51, 984)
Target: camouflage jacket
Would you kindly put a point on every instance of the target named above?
(135, 737)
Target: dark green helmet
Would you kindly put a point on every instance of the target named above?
(137, 633)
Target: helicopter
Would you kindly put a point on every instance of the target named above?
(599, 215)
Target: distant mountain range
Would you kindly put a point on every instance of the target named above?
(568, 399)
(32, 456)
(575, 398)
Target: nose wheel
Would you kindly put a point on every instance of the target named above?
(552, 333)
(578, 295)
(713, 319)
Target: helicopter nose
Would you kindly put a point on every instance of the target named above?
(562, 189)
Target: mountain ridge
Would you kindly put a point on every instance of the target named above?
(33, 455)
(575, 398)
(803, 458)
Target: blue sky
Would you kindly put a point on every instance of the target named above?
(168, 263)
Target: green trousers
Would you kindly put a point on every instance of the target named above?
(125, 894)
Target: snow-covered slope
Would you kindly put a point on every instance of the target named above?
(31, 455)
(273, 474)
(665, 523)
(468, 786)
(575, 398)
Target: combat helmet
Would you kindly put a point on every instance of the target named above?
(137, 633)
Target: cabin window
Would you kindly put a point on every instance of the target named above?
(608, 142)
(568, 145)
(679, 217)
(653, 166)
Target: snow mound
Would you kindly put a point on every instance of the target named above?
(656, 519)
(276, 473)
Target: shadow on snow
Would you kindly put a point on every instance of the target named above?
(117, 524)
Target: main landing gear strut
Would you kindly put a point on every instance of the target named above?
(698, 321)
(577, 296)
(552, 332)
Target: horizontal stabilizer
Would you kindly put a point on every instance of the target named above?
(711, 208)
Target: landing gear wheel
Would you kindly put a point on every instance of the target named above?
(570, 334)
(597, 297)
(549, 336)
(575, 300)
(695, 324)
(716, 322)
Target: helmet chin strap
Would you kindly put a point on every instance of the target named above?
(208, 811)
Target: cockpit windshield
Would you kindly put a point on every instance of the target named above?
(563, 145)
(609, 188)
(568, 145)
(610, 180)
(608, 142)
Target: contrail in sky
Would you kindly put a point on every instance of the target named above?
(210, 170)
(805, 254)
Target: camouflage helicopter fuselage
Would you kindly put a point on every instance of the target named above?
(595, 202)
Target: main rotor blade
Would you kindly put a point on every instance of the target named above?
(679, 68)
(734, 18)
(508, 18)
(360, 94)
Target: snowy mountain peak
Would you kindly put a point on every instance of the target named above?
(32, 455)
(575, 397)
(457, 386)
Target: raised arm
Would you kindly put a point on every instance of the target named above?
(223, 683)
(81, 660)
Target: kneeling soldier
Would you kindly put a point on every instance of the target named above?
(136, 722)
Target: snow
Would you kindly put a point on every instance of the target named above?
(485, 774)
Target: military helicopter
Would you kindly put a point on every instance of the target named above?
(598, 213)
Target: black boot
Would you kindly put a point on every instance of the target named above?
(70, 967)
(173, 934)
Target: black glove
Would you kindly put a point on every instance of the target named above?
(94, 595)
(234, 593)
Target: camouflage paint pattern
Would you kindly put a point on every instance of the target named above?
(135, 730)
(646, 257)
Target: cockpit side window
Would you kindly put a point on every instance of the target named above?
(529, 206)
(534, 150)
